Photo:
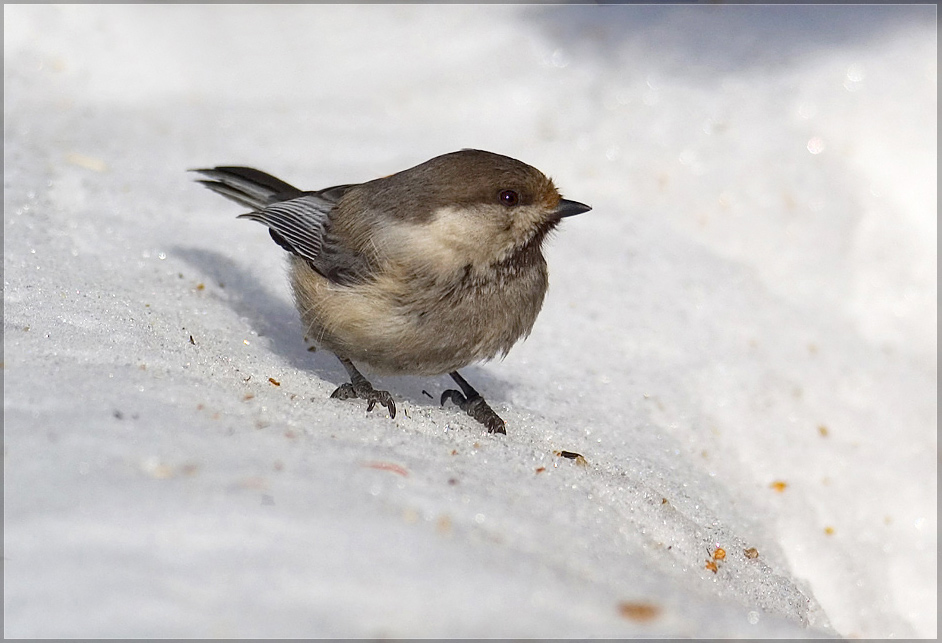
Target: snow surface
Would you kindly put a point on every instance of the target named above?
(752, 301)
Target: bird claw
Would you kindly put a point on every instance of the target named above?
(365, 391)
(478, 409)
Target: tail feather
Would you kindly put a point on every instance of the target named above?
(247, 186)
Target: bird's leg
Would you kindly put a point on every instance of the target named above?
(358, 386)
(471, 402)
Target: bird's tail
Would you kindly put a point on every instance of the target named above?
(247, 186)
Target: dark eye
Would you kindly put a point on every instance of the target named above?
(508, 198)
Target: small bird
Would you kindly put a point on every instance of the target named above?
(421, 272)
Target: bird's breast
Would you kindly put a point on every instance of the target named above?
(423, 323)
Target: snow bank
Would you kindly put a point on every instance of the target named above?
(740, 338)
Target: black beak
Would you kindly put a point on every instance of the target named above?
(567, 208)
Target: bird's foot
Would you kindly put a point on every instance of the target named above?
(476, 407)
(365, 391)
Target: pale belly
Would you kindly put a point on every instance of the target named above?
(398, 328)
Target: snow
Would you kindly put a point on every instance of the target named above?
(751, 301)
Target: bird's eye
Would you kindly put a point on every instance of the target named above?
(509, 198)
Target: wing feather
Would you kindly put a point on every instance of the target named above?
(302, 223)
(298, 221)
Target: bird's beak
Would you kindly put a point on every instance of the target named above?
(567, 208)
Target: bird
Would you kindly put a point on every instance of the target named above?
(421, 272)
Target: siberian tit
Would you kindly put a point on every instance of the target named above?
(422, 272)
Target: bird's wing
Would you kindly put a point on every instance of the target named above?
(297, 221)
(300, 224)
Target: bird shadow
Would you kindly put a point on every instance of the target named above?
(276, 319)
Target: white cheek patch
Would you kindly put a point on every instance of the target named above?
(450, 241)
